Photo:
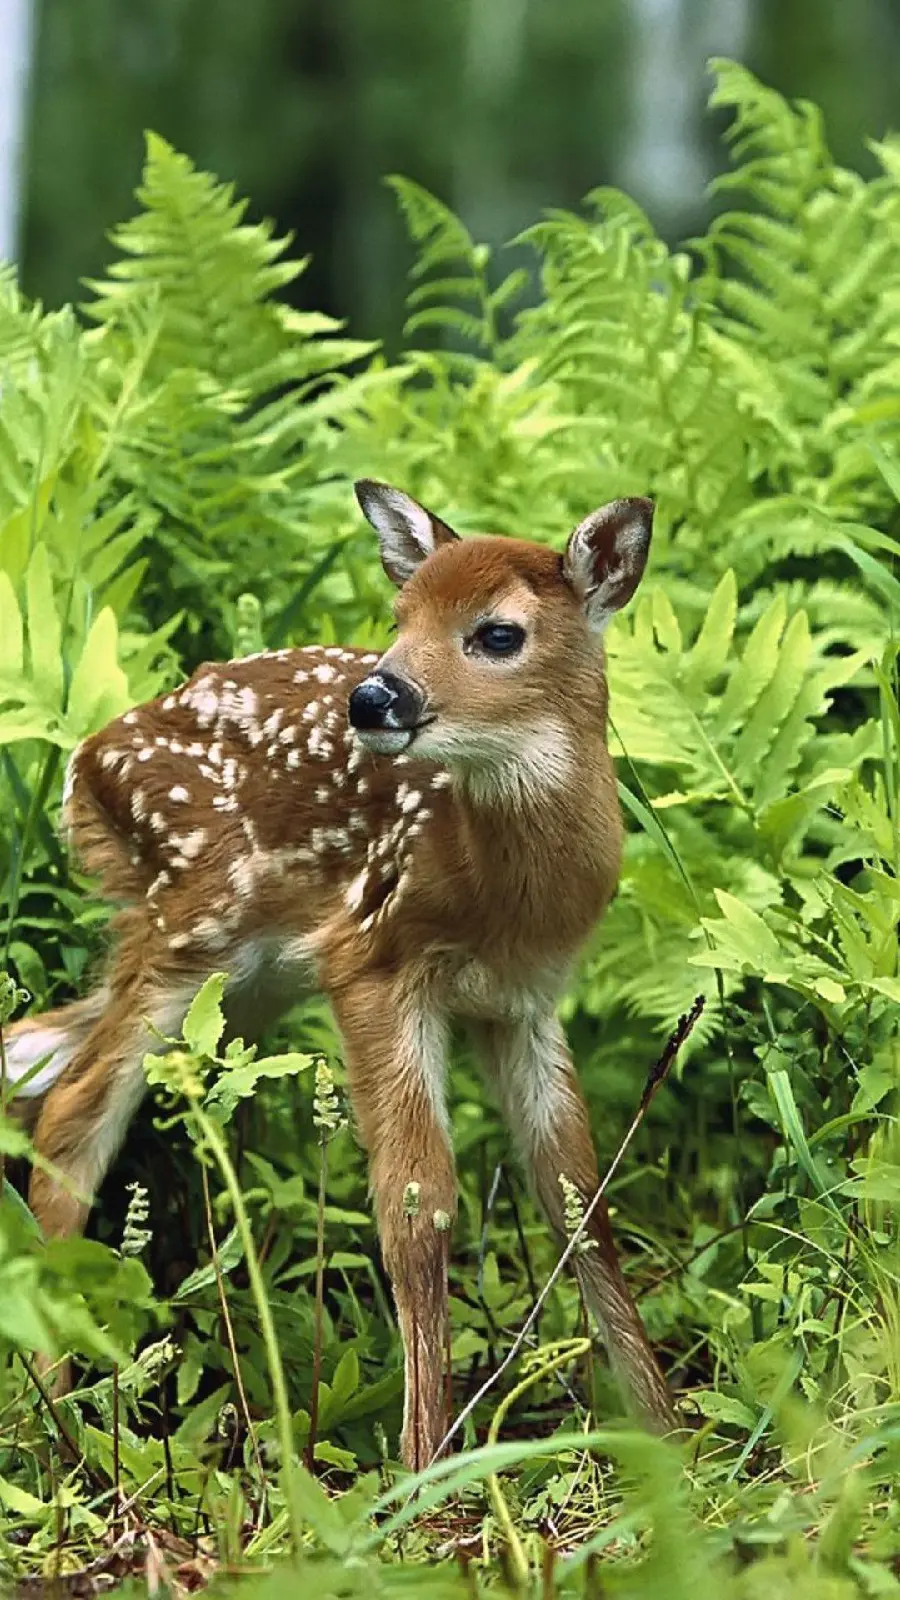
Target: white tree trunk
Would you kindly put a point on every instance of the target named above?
(16, 34)
(665, 168)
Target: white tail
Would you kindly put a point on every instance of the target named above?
(424, 836)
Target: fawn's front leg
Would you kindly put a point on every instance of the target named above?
(545, 1108)
(396, 1051)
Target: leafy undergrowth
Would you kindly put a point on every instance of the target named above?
(174, 485)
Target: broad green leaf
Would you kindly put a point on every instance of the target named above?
(776, 697)
(99, 688)
(319, 1512)
(345, 1380)
(18, 1502)
(873, 1083)
(665, 623)
(11, 635)
(723, 1407)
(709, 654)
(239, 1083)
(741, 936)
(205, 1021)
(44, 632)
(756, 667)
(229, 1253)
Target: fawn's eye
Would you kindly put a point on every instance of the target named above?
(498, 638)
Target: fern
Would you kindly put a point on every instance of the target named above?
(229, 424)
(451, 291)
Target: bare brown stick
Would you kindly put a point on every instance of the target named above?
(655, 1077)
(229, 1330)
(61, 1427)
(117, 1489)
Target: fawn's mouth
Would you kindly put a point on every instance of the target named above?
(391, 741)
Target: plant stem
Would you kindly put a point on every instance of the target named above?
(571, 1350)
(229, 1335)
(117, 1493)
(320, 1304)
(213, 1139)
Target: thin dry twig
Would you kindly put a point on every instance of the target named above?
(655, 1077)
(229, 1334)
(77, 1455)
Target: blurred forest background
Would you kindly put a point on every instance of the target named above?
(500, 107)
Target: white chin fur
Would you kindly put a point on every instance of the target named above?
(384, 741)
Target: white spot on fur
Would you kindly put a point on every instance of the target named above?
(242, 876)
(210, 933)
(356, 891)
(179, 793)
(189, 844)
(206, 705)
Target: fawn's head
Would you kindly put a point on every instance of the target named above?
(496, 637)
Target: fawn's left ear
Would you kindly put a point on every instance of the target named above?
(606, 556)
(407, 533)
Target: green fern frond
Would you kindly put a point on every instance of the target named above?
(450, 268)
(212, 274)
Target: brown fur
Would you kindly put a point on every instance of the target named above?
(243, 829)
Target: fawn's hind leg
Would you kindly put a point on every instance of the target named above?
(85, 1114)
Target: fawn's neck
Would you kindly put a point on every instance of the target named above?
(540, 844)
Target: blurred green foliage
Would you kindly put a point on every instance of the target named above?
(502, 108)
(188, 443)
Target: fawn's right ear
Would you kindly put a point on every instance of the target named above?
(606, 556)
(407, 533)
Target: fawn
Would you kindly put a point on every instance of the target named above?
(426, 836)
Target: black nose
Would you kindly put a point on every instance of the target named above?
(383, 701)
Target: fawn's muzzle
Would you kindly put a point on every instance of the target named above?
(385, 711)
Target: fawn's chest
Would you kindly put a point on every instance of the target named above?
(490, 911)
